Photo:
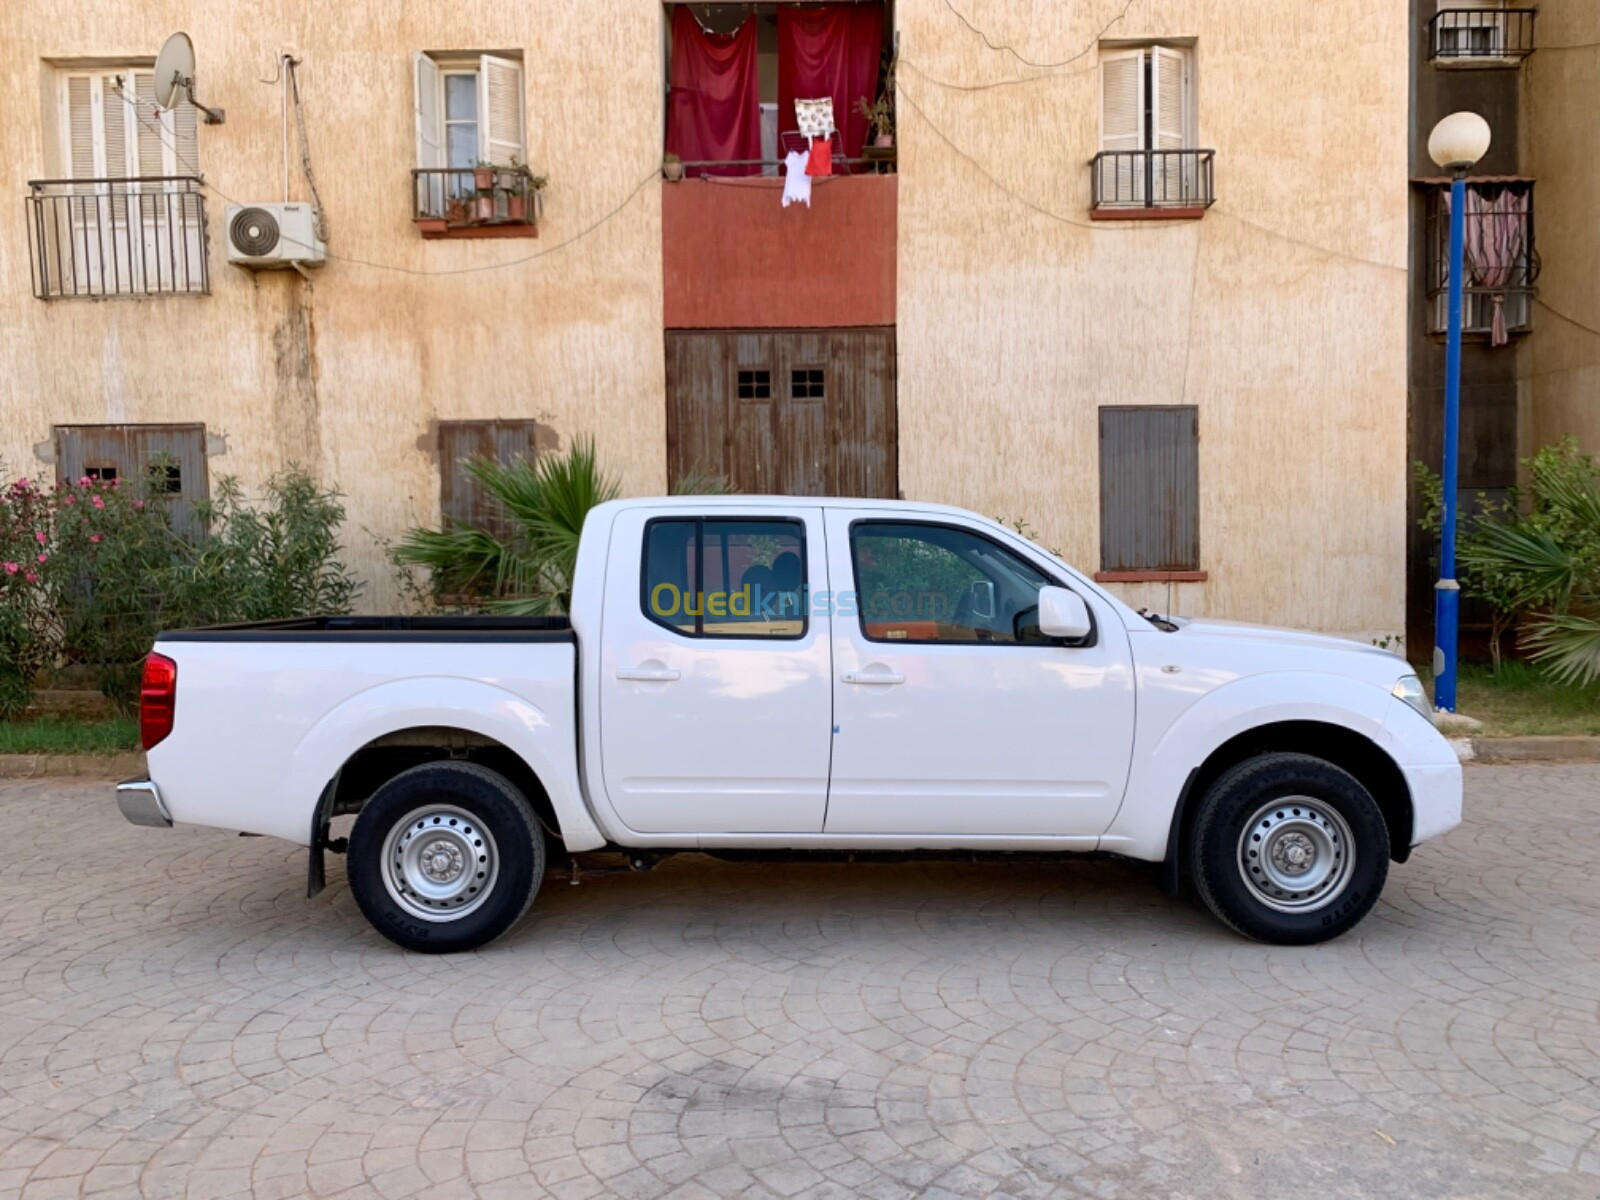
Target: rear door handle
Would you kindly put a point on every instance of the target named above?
(875, 677)
(648, 674)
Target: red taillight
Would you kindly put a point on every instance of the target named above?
(158, 698)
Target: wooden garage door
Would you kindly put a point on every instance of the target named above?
(175, 454)
(784, 412)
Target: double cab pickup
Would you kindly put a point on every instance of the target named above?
(773, 675)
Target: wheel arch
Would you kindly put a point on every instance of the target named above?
(1340, 745)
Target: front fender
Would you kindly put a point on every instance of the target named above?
(1163, 759)
(546, 741)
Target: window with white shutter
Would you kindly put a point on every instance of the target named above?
(470, 118)
(1148, 155)
(131, 221)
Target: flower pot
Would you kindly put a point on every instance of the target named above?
(483, 207)
(456, 214)
(516, 207)
(483, 178)
(884, 140)
(672, 171)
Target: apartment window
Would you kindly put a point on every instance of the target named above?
(743, 578)
(1499, 256)
(123, 212)
(1149, 491)
(471, 141)
(168, 460)
(463, 500)
(1148, 155)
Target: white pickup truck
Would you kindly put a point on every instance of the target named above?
(772, 675)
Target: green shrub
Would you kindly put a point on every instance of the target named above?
(107, 572)
(1536, 559)
(522, 562)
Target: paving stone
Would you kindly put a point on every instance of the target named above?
(177, 1020)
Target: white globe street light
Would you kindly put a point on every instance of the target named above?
(1456, 144)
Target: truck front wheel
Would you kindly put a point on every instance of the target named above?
(446, 856)
(1289, 848)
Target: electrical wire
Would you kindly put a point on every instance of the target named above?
(1556, 312)
(948, 86)
(1004, 47)
(318, 213)
(159, 131)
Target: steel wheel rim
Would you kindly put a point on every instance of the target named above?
(1296, 854)
(440, 863)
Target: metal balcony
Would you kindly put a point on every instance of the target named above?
(99, 238)
(1485, 37)
(449, 199)
(1152, 183)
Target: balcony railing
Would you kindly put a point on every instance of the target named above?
(1501, 261)
(1173, 181)
(1485, 36)
(98, 238)
(455, 198)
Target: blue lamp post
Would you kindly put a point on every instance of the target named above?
(1456, 144)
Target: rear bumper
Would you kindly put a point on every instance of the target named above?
(141, 803)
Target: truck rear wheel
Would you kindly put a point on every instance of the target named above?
(1289, 848)
(446, 856)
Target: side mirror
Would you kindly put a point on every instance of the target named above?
(1063, 614)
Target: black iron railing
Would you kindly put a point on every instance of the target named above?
(1483, 35)
(97, 238)
(1501, 261)
(1170, 179)
(462, 197)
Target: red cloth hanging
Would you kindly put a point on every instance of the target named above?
(830, 51)
(819, 160)
(714, 107)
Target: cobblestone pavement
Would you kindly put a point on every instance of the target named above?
(177, 1020)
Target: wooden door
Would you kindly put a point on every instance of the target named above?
(175, 455)
(784, 412)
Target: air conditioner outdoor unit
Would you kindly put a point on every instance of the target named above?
(274, 235)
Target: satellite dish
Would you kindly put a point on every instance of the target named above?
(174, 77)
(174, 73)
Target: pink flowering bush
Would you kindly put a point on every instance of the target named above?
(91, 570)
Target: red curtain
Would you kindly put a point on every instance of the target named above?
(714, 108)
(830, 51)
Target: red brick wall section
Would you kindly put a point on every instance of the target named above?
(734, 257)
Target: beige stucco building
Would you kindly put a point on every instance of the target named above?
(1559, 366)
(1193, 379)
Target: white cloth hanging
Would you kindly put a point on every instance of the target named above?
(796, 183)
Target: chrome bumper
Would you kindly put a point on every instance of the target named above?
(140, 802)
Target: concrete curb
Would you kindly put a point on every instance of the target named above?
(121, 765)
(1557, 748)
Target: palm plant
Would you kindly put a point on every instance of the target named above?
(521, 563)
(1546, 561)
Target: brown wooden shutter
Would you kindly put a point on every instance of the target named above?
(461, 497)
(128, 452)
(1149, 489)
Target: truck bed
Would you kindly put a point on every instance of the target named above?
(377, 628)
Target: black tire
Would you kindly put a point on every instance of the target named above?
(1336, 836)
(467, 810)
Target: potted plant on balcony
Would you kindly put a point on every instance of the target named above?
(671, 167)
(881, 114)
(483, 176)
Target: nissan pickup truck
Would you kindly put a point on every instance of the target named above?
(773, 676)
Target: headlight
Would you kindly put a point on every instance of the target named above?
(1411, 691)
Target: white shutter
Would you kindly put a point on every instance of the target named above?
(1122, 126)
(500, 108)
(78, 141)
(430, 140)
(1170, 124)
(430, 134)
(148, 121)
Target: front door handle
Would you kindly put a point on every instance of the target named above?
(879, 677)
(648, 674)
